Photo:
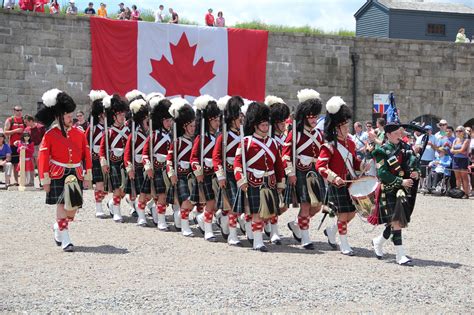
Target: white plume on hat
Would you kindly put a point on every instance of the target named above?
(136, 105)
(50, 97)
(334, 104)
(97, 95)
(308, 94)
(107, 101)
(272, 99)
(176, 104)
(152, 95)
(134, 93)
(201, 101)
(222, 102)
(155, 100)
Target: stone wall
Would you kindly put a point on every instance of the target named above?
(38, 52)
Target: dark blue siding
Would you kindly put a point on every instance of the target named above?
(413, 25)
(373, 22)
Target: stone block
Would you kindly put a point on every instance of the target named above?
(55, 52)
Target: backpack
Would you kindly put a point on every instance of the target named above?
(455, 193)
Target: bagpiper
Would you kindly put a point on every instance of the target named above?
(133, 158)
(112, 147)
(300, 153)
(178, 165)
(94, 134)
(63, 156)
(223, 157)
(338, 163)
(397, 169)
(155, 151)
(259, 171)
(208, 122)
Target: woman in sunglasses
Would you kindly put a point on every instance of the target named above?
(460, 150)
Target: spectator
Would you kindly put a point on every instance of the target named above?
(440, 167)
(360, 139)
(25, 144)
(209, 18)
(90, 9)
(461, 36)
(380, 124)
(442, 135)
(82, 123)
(174, 17)
(54, 7)
(471, 150)
(10, 5)
(428, 155)
(71, 9)
(37, 132)
(26, 5)
(14, 127)
(220, 21)
(460, 152)
(121, 8)
(102, 11)
(125, 15)
(5, 158)
(135, 13)
(39, 6)
(159, 16)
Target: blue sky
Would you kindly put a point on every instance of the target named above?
(328, 15)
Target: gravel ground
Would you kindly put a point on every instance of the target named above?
(124, 268)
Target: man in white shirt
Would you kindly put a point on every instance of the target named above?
(159, 16)
(360, 139)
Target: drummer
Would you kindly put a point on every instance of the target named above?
(337, 163)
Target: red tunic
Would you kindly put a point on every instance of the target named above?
(96, 139)
(209, 144)
(308, 144)
(233, 141)
(262, 159)
(140, 138)
(331, 164)
(183, 153)
(280, 139)
(117, 141)
(161, 146)
(57, 153)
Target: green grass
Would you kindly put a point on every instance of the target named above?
(308, 30)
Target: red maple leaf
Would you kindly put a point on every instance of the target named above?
(182, 77)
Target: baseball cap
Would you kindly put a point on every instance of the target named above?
(428, 127)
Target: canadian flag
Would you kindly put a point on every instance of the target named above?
(178, 60)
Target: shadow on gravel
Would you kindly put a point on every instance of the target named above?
(103, 249)
(433, 263)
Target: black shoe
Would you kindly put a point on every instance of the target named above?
(262, 249)
(177, 229)
(294, 235)
(276, 242)
(309, 246)
(333, 246)
(69, 248)
(212, 239)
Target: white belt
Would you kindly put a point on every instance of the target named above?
(208, 162)
(260, 173)
(71, 165)
(230, 160)
(306, 160)
(160, 158)
(184, 165)
(118, 152)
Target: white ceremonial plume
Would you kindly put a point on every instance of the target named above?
(334, 104)
(136, 105)
(272, 99)
(150, 96)
(97, 95)
(201, 101)
(222, 102)
(107, 101)
(176, 104)
(244, 109)
(155, 100)
(307, 94)
(50, 97)
(134, 93)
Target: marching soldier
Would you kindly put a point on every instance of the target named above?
(201, 160)
(178, 164)
(94, 134)
(305, 141)
(63, 155)
(223, 158)
(259, 171)
(112, 147)
(397, 169)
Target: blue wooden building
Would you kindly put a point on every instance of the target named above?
(414, 20)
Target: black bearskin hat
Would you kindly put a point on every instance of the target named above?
(279, 111)
(56, 103)
(182, 113)
(159, 111)
(134, 95)
(337, 113)
(206, 108)
(231, 107)
(310, 104)
(256, 114)
(97, 107)
(115, 104)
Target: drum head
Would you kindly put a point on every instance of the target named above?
(363, 187)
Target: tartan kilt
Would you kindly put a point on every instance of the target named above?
(115, 174)
(97, 175)
(208, 189)
(56, 192)
(139, 179)
(340, 198)
(158, 182)
(302, 193)
(230, 190)
(184, 192)
(253, 198)
(388, 200)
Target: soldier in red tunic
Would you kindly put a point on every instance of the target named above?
(308, 184)
(94, 134)
(337, 163)
(112, 147)
(63, 156)
(208, 121)
(223, 157)
(178, 164)
(259, 171)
